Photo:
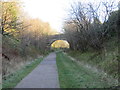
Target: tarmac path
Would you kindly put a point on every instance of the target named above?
(45, 75)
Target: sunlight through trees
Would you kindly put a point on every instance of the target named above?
(60, 44)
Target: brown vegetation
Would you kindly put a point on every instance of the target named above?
(84, 28)
(89, 35)
(24, 38)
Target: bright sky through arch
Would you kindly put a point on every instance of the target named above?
(52, 11)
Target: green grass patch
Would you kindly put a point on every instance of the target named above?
(74, 75)
(13, 79)
(107, 62)
(0, 86)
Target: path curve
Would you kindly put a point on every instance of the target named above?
(45, 75)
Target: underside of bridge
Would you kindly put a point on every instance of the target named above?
(60, 44)
(58, 39)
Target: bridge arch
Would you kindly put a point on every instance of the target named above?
(57, 37)
(60, 44)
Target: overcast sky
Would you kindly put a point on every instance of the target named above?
(52, 11)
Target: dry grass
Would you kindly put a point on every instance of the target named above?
(0, 61)
(15, 56)
(105, 76)
(14, 64)
(13, 79)
(74, 74)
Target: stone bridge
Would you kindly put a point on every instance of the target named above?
(53, 38)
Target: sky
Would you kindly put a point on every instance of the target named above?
(51, 11)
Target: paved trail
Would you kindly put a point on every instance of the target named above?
(45, 75)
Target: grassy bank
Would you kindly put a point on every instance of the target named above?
(108, 63)
(13, 79)
(0, 86)
(106, 60)
(74, 75)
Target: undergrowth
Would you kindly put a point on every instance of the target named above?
(106, 60)
(13, 79)
(74, 75)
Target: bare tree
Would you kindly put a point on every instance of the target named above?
(85, 28)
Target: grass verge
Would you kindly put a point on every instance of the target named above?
(107, 59)
(108, 63)
(0, 86)
(73, 75)
(13, 79)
